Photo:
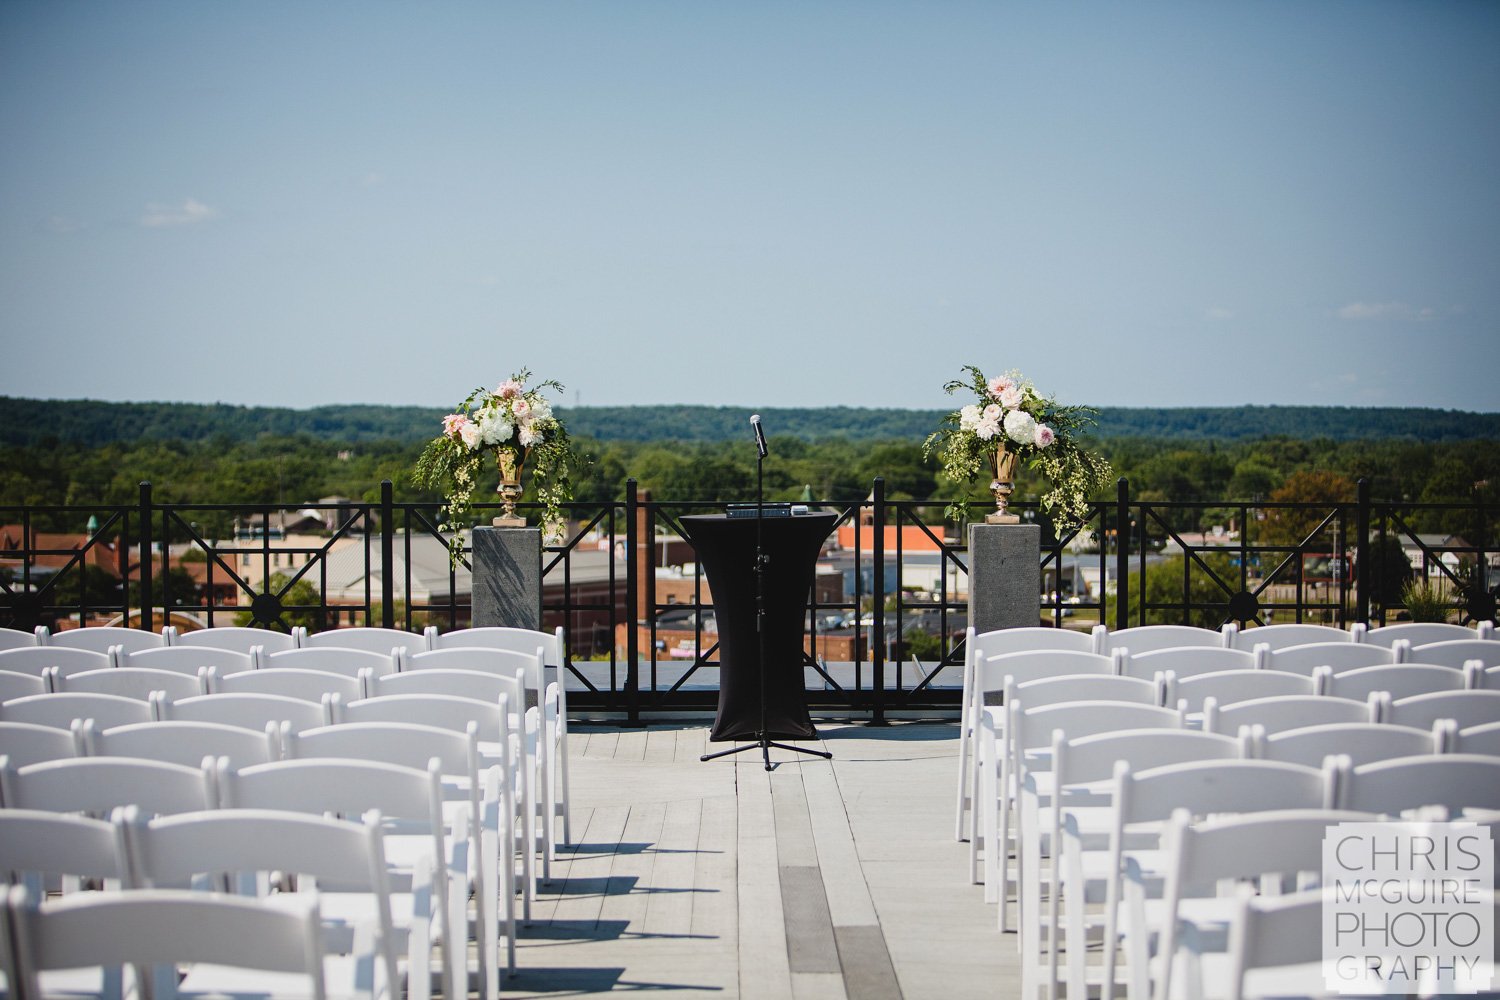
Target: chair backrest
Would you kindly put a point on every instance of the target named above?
(1418, 633)
(1288, 634)
(1340, 656)
(1085, 687)
(11, 638)
(331, 660)
(1229, 687)
(130, 682)
(1457, 652)
(1033, 728)
(103, 638)
(188, 660)
(402, 743)
(1361, 742)
(35, 660)
(248, 711)
(1399, 680)
(440, 710)
(1455, 781)
(1214, 787)
(1149, 638)
(39, 842)
(59, 710)
(1466, 708)
(290, 682)
(519, 640)
(1282, 712)
(22, 685)
(28, 743)
(458, 683)
(185, 743)
(98, 784)
(1027, 639)
(1480, 739)
(239, 638)
(991, 672)
(1186, 661)
(483, 659)
(370, 638)
(1091, 759)
(116, 930)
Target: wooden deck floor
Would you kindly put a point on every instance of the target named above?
(816, 880)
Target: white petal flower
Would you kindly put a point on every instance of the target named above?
(987, 428)
(470, 436)
(968, 417)
(529, 435)
(1020, 427)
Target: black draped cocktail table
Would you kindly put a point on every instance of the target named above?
(726, 551)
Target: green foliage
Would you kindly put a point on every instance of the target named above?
(1425, 602)
(1165, 585)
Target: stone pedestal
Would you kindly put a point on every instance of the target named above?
(1005, 576)
(508, 577)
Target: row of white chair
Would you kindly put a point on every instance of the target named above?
(398, 768)
(239, 638)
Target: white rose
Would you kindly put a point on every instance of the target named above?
(987, 428)
(968, 417)
(1020, 427)
(541, 409)
(470, 435)
(529, 436)
(494, 428)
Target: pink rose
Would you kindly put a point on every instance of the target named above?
(1010, 396)
(453, 424)
(1044, 436)
(520, 408)
(509, 389)
(992, 413)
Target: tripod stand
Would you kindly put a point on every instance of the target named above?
(763, 741)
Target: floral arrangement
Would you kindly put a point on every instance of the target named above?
(1012, 415)
(517, 427)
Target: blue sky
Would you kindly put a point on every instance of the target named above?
(760, 204)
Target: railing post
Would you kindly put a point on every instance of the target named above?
(632, 596)
(1364, 562)
(145, 567)
(1122, 553)
(877, 659)
(388, 555)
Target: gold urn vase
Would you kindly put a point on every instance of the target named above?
(1002, 486)
(510, 462)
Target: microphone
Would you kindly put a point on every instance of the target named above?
(760, 435)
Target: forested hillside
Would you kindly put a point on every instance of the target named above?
(30, 421)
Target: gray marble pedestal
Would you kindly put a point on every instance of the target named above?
(508, 577)
(1005, 576)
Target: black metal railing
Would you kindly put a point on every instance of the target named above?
(885, 639)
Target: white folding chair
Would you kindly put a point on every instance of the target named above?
(982, 646)
(35, 660)
(1148, 799)
(96, 785)
(37, 846)
(1457, 652)
(1455, 781)
(1228, 687)
(1282, 712)
(1466, 708)
(28, 743)
(1276, 637)
(410, 802)
(345, 859)
(13, 685)
(371, 638)
(185, 743)
(1422, 633)
(248, 711)
(1148, 638)
(129, 682)
(238, 638)
(1082, 781)
(1399, 680)
(290, 682)
(1361, 742)
(475, 795)
(190, 660)
(59, 710)
(211, 934)
(102, 638)
(553, 657)
(1186, 661)
(1339, 656)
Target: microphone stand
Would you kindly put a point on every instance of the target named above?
(763, 741)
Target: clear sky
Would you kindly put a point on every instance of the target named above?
(761, 203)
